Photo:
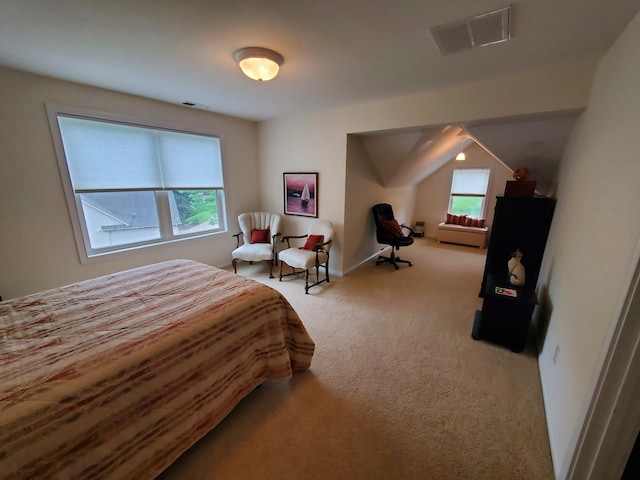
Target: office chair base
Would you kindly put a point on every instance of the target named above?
(393, 259)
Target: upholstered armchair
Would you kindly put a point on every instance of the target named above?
(256, 240)
(313, 254)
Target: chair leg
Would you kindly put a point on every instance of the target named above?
(271, 264)
(393, 259)
(298, 272)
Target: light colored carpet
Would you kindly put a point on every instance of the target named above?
(397, 389)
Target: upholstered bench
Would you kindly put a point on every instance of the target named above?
(452, 233)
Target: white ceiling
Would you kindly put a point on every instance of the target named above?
(337, 52)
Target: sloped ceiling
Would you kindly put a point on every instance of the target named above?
(537, 142)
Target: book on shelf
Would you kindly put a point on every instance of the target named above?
(509, 292)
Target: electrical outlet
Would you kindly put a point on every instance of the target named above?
(556, 352)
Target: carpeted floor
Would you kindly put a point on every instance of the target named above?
(398, 389)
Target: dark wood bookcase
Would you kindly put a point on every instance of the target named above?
(518, 223)
(504, 319)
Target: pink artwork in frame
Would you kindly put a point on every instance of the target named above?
(301, 194)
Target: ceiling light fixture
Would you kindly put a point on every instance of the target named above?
(462, 137)
(259, 63)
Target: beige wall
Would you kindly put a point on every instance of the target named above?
(432, 198)
(311, 145)
(318, 141)
(593, 244)
(37, 246)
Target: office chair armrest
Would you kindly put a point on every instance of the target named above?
(411, 231)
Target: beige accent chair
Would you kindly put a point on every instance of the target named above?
(257, 252)
(308, 257)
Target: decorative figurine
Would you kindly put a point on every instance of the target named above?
(516, 269)
(521, 174)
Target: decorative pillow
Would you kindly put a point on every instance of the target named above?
(260, 235)
(391, 228)
(312, 241)
(464, 220)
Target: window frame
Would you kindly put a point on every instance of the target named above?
(86, 252)
(483, 206)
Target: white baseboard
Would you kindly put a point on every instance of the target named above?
(371, 257)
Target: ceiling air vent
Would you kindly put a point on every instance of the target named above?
(196, 105)
(478, 31)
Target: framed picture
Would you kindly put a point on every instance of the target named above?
(301, 194)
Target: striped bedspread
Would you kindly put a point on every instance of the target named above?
(116, 377)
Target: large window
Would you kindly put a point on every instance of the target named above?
(130, 186)
(469, 191)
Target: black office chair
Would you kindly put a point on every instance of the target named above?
(389, 232)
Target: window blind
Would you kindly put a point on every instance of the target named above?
(105, 156)
(470, 181)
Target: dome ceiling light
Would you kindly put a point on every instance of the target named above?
(259, 63)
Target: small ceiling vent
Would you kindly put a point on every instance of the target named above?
(478, 31)
(196, 105)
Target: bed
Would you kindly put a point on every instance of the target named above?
(117, 376)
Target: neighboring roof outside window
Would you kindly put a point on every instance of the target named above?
(134, 209)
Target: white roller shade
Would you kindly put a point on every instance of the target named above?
(189, 161)
(471, 181)
(109, 156)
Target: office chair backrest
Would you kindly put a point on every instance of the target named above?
(382, 212)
